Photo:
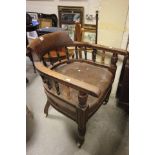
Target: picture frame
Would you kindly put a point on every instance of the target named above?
(70, 29)
(34, 15)
(89, 33)
(45, 23)
(70, 14)
(70, 18)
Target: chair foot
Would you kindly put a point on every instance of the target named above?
(46, 108)
(106, 101)
(79, 144)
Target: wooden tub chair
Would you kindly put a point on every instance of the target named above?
(75, 86)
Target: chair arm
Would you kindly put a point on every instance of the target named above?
(71, 82)
(102, 47)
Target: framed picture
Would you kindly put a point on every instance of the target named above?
(70, 14)
(70, 29)
(34, 15)
(45, 23)
(47, 20)
(89, 33)
(68, 18)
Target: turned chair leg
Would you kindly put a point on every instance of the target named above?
(82, 117)
(46, 108)
(81, 136)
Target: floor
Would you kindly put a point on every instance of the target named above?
(107, 130)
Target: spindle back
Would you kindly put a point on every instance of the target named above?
(59, 41)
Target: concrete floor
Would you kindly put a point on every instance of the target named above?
(107, 130)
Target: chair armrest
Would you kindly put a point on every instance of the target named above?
(71, 82)
(102, 47)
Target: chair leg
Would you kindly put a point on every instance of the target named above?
(81, 136)
(82, 116)
(107, 97)
(33, 66)
(27, 81)
(46, 108)
(30, 56)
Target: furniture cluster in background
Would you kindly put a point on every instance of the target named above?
(44, 23)
(45, 20)
(67, 17)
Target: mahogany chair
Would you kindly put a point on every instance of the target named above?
(75, 86)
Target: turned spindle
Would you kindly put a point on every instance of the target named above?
(49, 84)
(76, 52)
(114, 59)
(67, 54)
(85, 53)
(58, 55)
(50, 59)
(57, 87)
(94, 55)
(44, 62)
(96, 27)
(103, 57)
(82, 116)
(82, 97)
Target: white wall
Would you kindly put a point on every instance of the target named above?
(112, 16)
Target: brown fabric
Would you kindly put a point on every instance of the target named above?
(82, 71)
(50, 41)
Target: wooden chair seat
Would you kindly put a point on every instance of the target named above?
(97, 76)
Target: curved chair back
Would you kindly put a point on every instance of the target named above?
(49, 42)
